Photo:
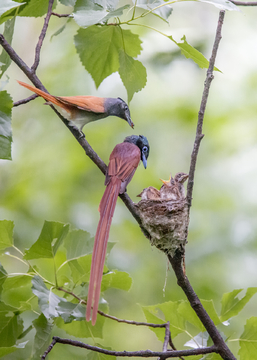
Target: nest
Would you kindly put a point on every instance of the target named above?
(167, 223)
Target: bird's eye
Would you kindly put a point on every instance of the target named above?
(145, 149)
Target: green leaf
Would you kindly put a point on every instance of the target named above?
(4, 308)
(42, 337)
(6, 234)
(33, 8)
(162, 12)
(68, 2)
(191, 53)
(231, 305)
(78, 243)
(8, 5)
(99, 50)
(189, 314)
(222, 4)
(3, 277)
(8, 35)
(132, 73)
(17, 289)
(248, 340)
(5, 125)
(10, 329)
(8, 350)
(116, 279)
(51, 237)
(53, 306)
(170, 312)
(82, 329)
(87, 12)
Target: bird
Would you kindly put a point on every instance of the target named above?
(80, 110)
(150, 193)
(173, 189)
(123, 163)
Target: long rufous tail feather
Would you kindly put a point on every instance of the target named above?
(106, 208)
(52, 99)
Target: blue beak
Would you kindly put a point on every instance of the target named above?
(144, 160)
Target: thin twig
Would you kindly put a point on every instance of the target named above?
(173, 346)
(199, 134)
(166, 337)
(25, 101)
(50, 347)
(60, 15)
(42, 36)
(130, 322)
(142, 353)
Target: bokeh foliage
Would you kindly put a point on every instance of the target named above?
(50, 178)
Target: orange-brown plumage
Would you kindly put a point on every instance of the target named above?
(124, 160)
(83, 109)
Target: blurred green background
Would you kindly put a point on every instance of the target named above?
(51, 178)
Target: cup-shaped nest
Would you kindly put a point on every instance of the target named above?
(166, 221)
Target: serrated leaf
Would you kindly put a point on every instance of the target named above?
(189, 314)
(4, 308)
(162, 12)
(68, 2)
(10, 329)
(170, 311)
(248, 340)
(32, 8)
(51, 237)
(8, 5)
(222, 4)
(5, 125)
(42, 337)
(8, 350)
(6, 234)
(231, 305)
(116, 279)
(88, 12)
(132, 73)
(3, 277)
(78, 243)
(99, 49)
(53, 306)
(198, 341)
(191, 53)
(8, 35)
(82, 329)
(16, 289)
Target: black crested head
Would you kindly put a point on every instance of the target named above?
(143, 144)
(118, 107)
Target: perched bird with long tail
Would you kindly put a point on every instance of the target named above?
(80, 110)
(123, 163)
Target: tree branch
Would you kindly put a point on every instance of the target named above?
(199, 134)
(25, 101)
(197, 306)
(42, 36)
(143, 353)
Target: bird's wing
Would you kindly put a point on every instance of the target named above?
(87, 103)
(124, 161)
